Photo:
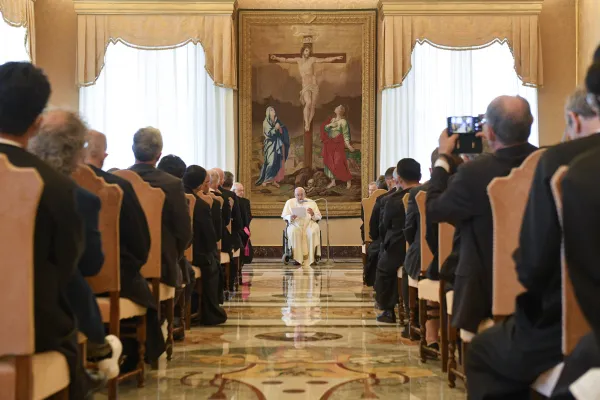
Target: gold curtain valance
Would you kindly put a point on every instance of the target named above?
(21, 13)
(400, 34)
(214, 32)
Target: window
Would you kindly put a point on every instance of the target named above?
(168, 89)
(13, 44)
(445, 83)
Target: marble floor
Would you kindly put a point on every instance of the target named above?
(297, 334)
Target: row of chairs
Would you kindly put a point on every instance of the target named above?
(508, 214)
(23, 373)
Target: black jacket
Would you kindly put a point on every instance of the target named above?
(205, 239)
(375, 221)
(80, 295)
(176, 224)
(465, 204)
(538, 258)
(231, 241)
(134, 238)
(393, 246)
(58, 245)
(412, 233)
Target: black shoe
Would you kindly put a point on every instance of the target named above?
(388, 317)
(94, 382)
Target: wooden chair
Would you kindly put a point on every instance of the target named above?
(189, 254)
(401, 311)
(113, 308)
(508, 198)
(152, 201)
(430, 290)
(574, 324)
(367, 205)
(24, 374)
(413, 285)
(226, 264)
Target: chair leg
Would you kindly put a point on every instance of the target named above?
(182, 304)
(170, 308)
(444, 334)
(452, 336)
(227, 267)
(412, 305)
(401, 315)
(113, 389)
(423, 329)
(141, 339)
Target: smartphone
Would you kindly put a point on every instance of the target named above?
(466, 128)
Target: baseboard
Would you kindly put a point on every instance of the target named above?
(336, 251)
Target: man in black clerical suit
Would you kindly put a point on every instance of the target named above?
(176, 224)
(464, 202)
(374, 247)
(205, 253)
(393, 246)
(58, 240)
(246, 211)
(505, 359)
(134, 238)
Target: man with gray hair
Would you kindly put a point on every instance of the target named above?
(581, 119)
(303, 232)
(176, 223)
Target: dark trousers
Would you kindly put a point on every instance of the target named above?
(70, 349)
(405, 292)
(503, 361)
(386, 287)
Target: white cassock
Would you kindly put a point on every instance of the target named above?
(304, 233)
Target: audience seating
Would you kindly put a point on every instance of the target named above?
(367, 205)
(574, 324)
(152, 200)
(189, 254)
(413, 285)
(427, 289)
(113, 308)
(24, 374)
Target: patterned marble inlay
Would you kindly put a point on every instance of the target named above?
(296, 334)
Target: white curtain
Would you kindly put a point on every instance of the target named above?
(444, 83)
(168, 89)
(13, 45)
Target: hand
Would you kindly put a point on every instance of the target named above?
(351, 149)
(310, 211)
(277, 126)
(231, 202)
(447, 144)
(294, 218)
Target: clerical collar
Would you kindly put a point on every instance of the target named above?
(9, 142)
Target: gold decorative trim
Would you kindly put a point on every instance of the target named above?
(146, 7)
(367, 22)
(462, 7)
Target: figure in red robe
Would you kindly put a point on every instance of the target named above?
(335, 135)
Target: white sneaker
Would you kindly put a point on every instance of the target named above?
(110, 366)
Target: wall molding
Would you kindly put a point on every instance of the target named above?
(149, 7)
(460, 7)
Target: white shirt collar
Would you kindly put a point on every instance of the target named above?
(10, 142)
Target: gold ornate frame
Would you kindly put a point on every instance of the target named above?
(367, 20)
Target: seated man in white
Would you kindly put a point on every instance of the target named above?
(303, 231)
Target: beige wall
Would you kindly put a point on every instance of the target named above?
(344, 231)
(589, 34)
(56, 40)
(558, 27)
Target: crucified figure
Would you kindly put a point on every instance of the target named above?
(310, 89)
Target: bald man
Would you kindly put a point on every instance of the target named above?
(303, 231)
(464, 201)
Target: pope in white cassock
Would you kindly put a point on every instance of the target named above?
(303, 231)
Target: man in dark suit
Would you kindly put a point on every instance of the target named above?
(393, 246)
(374, 248)
(581, 222)
(176, 223)
(246, 211)
(58, 240)
(505, 359)
(464, 202)
(231, 240)
(134, 237)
